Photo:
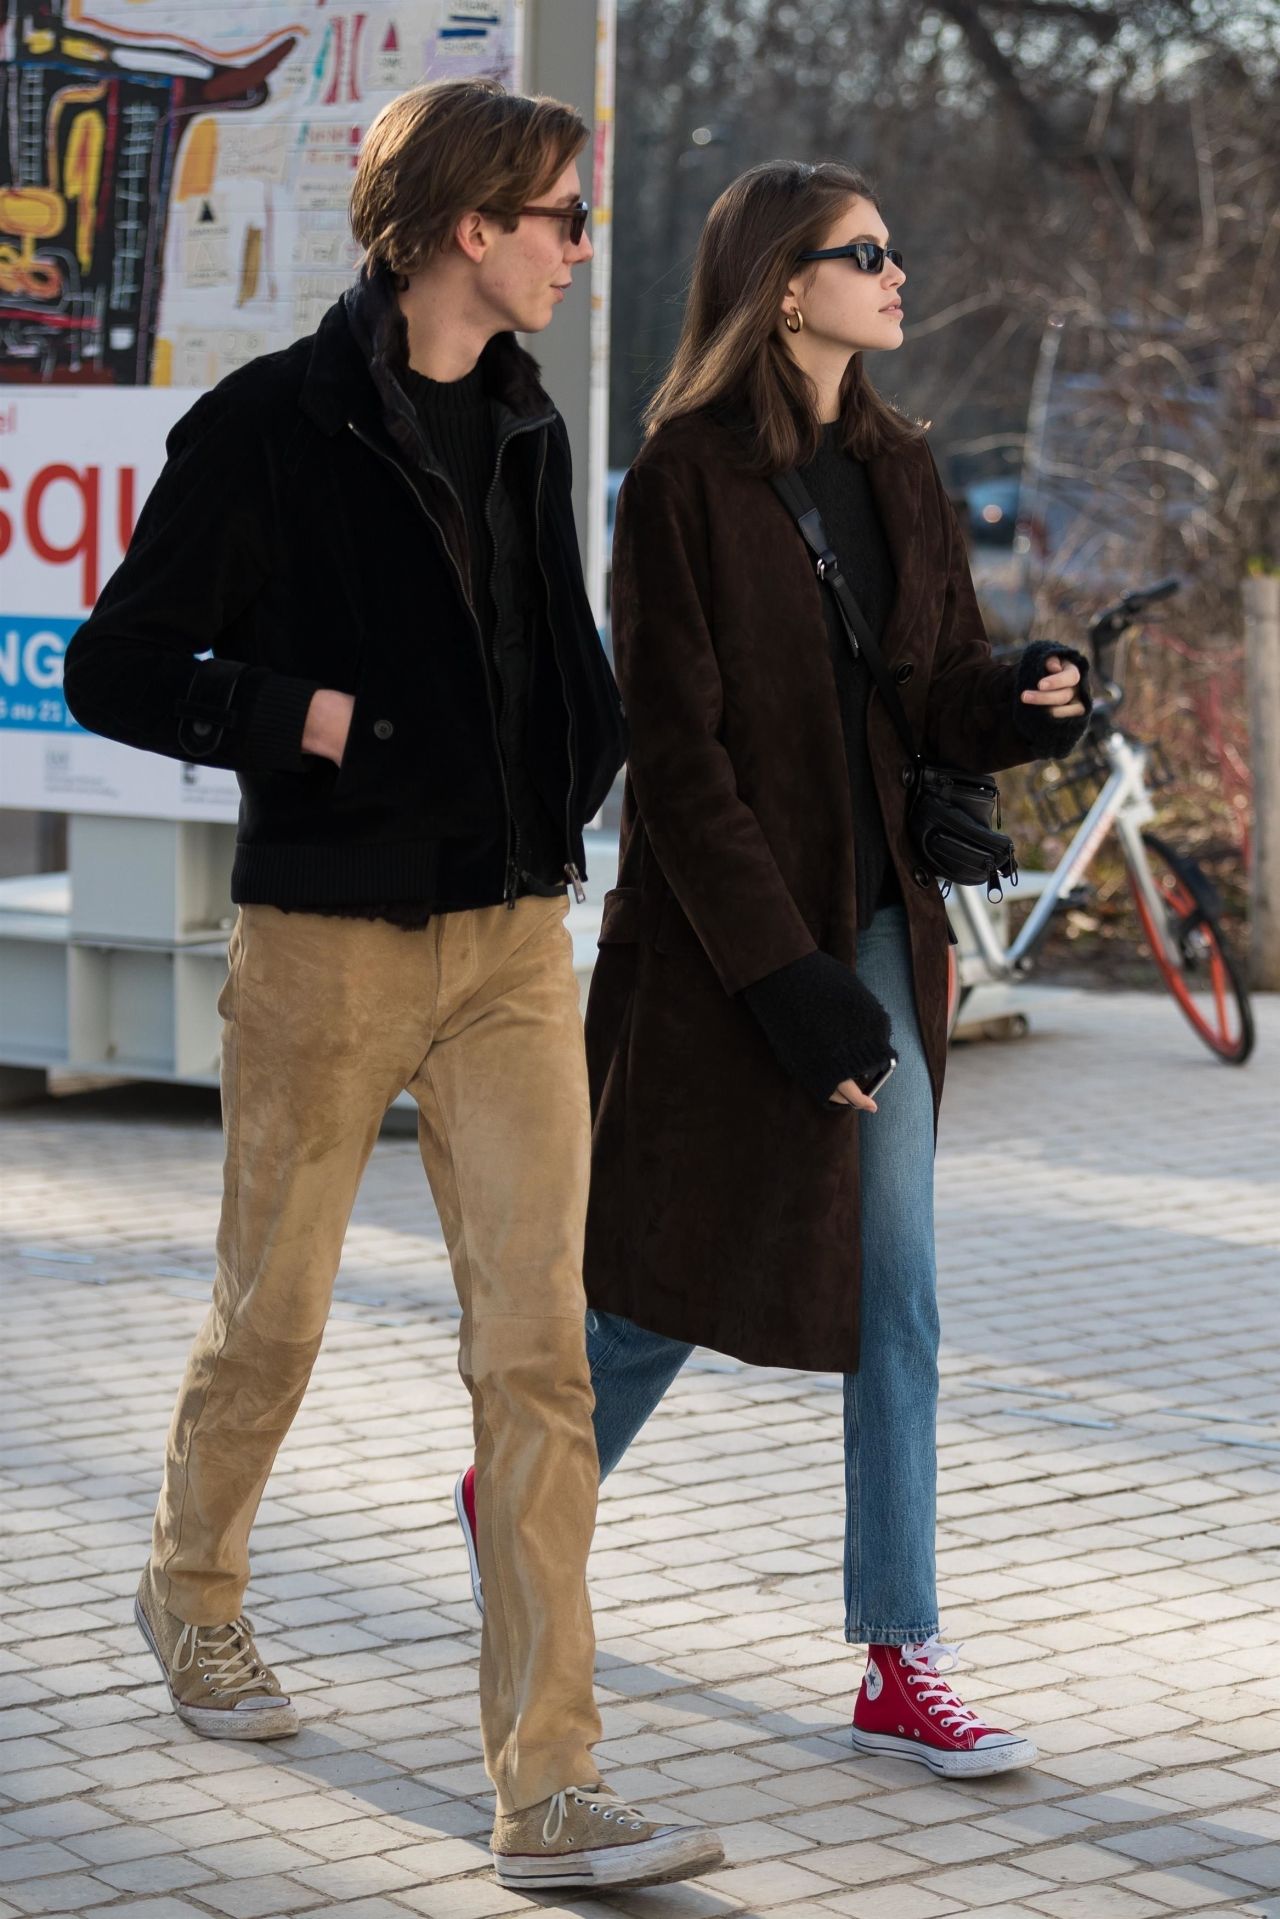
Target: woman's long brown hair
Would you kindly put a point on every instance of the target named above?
(730, 357)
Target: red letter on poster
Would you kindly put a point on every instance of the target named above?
(85, 545)
(126, 518)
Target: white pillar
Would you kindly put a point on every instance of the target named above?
(567, 50)
(1262, 668)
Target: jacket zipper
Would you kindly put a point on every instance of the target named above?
(571, 872)
(509, 886)
(513, 825)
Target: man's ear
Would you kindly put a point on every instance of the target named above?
(472, 234)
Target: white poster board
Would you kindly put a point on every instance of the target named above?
(173, 189)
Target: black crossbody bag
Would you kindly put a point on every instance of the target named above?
(953, 817)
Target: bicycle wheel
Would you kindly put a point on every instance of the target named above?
(1206, 981)
(954, 995)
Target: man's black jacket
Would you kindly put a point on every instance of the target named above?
(293, 537)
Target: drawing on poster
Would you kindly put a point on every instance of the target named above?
(174, 179)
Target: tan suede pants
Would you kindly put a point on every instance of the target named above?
(326, 1021)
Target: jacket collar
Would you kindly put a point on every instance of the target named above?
(358, 354)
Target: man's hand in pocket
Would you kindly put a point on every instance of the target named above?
(328, 724)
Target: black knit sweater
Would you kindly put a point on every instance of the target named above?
(839, 487)
(822, 1023)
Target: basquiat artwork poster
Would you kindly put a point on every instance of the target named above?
(174, 178)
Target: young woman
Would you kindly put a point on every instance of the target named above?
(772, 934)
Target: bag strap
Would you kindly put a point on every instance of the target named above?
(791, 490)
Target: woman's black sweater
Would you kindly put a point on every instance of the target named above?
(822, 1023)
(839, 487)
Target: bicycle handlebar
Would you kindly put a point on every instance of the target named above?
(1112, 620)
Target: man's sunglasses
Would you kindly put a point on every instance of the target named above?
(577, 216)
(865, 254)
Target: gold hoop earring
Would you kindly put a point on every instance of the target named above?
(795, 315)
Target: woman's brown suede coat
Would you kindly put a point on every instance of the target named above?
(724, 1199)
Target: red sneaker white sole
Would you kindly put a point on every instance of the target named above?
(1004, 1752)
(469, 1540)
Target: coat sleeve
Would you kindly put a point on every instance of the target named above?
(974, 718)
(707, 840)
(198, 557)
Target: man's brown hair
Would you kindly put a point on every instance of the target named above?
(447, 148)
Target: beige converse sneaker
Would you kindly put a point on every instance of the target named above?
(585, 1836)
(218, 1684)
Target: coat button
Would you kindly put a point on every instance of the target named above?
(908, 774)
(382, 729)
(904, 673)
(922, 878)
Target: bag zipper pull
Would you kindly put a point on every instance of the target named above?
(574, 878)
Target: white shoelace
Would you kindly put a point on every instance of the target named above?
(610, 1810)
(925, 1664)
(230, 1663)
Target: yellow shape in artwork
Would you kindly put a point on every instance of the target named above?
(34, 213)
(82, 176)
(250, 265)
(199, 161)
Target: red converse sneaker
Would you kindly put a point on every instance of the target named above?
(906, 1708)
(464, 1504)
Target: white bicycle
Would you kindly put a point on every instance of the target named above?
(1178, 906)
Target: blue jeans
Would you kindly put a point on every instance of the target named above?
(891, 1402)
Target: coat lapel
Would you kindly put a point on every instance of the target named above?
(896, 481)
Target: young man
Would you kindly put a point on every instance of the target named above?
(357, 583)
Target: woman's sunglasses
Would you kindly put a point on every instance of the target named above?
(577, 216)
(865, 254)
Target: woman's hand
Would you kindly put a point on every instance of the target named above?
(849, 1093)
(1055, 690)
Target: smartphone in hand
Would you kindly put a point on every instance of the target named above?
(873, 1081)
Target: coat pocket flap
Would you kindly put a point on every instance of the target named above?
(620, 917)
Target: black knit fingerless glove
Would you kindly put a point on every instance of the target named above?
(1052, 739)
(823, 1024)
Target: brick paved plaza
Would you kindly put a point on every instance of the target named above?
(1109, 1225)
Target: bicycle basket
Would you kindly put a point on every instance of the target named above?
(1065, 790)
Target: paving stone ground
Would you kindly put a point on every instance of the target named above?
(1110, 1537)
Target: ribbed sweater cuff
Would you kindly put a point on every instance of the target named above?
(274, 724)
